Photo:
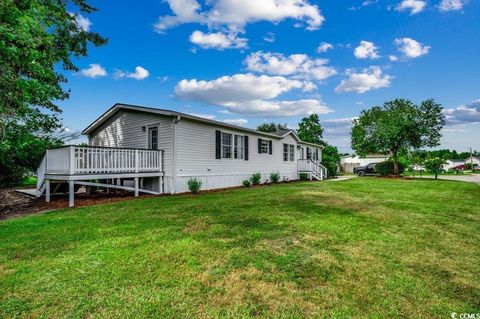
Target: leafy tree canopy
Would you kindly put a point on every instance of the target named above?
(38, 40)
(396, 127)
(310, 130)
(435, 165)
(272, 127)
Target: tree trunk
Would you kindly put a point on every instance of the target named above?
(395, 164)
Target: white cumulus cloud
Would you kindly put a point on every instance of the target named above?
(297, 65)
(366, 50)
(464, 114)
(239, 122)
(140, 73)
(217, 40)
(324, 47)
(411, 48)
(393, 58)
(94, 71)
(363, 81)
(82, 22)
(204, 116)
(236, 14)
(451, 5)
(269, 37)
(184, 11)
(250, 94)
(415, 6)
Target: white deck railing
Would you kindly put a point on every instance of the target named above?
(312, 167)
(82, 160)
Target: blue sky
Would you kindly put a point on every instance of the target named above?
(253, 61)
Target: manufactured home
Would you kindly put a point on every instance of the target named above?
(157, 151)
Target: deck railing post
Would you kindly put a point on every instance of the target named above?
(136, 186)
(72, 160)
(47, 190)
(136, 161)
(71, 193)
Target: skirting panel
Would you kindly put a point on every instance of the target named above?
(225, 181)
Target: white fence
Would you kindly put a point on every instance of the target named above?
(78, 160)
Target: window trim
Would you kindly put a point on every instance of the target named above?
(233, 146)
(236, 148)
(290, 153)
(147, 130)
(224, 145)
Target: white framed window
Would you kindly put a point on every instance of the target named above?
(288, 152)
(227, 145)
(239, 147)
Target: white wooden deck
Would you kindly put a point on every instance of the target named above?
(85, 165)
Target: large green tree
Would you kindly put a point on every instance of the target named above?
(272, 127)
(310, 130)
(39, 40)
(398, 126)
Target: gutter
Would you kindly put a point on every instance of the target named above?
(174, 153)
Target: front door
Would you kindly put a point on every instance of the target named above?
(300, 153)
(153, 138)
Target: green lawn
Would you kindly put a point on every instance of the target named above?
(367, 247)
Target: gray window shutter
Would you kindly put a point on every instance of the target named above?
(308, 153)
(218, 149)
(316, 153)
(246, 148)
(270, 146)
(259, 146)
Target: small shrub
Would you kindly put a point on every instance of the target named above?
(386, 168)
(303, 176)
(331, 168)
(194, 185)
(275, 177)
(247, 183)
(256, 178)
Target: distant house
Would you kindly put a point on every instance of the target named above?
(349, 162)
(156, 151)
(451, 163)
(472, 159)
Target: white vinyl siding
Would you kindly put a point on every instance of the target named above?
(196, 157)
(126, 129)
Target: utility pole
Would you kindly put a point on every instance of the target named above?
(471, 159)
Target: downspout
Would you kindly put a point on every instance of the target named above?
(174, 154)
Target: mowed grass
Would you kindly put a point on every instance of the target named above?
(366, 247)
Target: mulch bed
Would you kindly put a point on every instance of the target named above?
(13, 204)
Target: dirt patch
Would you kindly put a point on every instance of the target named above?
(196, 225)
(247, 286)
(14, 204)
